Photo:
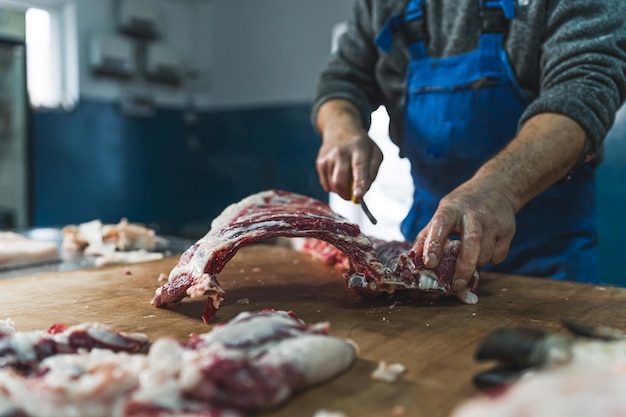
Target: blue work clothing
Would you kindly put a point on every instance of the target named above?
(460, 111)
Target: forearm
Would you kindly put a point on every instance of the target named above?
(338, 114)
(348, 159)
(544, 151)
(482, 210)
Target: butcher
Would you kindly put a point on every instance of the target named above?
(501, 106)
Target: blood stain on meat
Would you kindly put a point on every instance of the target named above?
(374, 266)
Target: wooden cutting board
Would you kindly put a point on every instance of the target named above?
(435, 340)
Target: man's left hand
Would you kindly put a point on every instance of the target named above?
(484, 219)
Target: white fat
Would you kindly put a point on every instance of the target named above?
(328, 413)
(317, 357)
(98, 372)
(573, 391)
(584, 378)
(598, 353)
(7, 326)
(297, 243)
(159, 383)
(128, 257)
(230, 234)
(466, 296)
(7, 407)
(22, 343)
(87, 384)
(201, 286)
(429, 281)
(100, 249)
(248, 329)
(91, 232)
(16, 250)
(100, 383)
(387, 372)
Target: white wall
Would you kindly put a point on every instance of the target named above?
(246, 52)
(182, 26)
(268, 51)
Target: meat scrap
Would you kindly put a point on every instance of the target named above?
(387, 372)
(113, 244)
(17, 250)
(253, 362)
(24, 350)
(388, 268)
(546, 374)
(123, 236)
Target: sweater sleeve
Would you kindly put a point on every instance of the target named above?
(350, 72)
(583, 65)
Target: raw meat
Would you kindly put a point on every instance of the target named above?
(253, 362)
(574, 377)
(128, 257)
(17, 250)
(387, 372)
(113, 244)
(24, 350)
(326, 253)
(94, 237)
(394, 268)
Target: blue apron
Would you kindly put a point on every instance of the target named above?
(462, 110)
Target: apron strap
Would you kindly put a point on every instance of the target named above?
(412, 26)
(496, 15)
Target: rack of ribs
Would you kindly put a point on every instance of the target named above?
(383, 268)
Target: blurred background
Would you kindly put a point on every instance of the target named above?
(167, 111)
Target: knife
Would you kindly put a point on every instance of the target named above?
(366, 210)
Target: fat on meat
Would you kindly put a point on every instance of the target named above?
(17, 250)
(23, 351)
(574, 377)
(388, 268)
(253, 362)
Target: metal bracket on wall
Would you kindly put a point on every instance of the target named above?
(137, 104)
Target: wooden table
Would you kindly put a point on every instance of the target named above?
(435, 340)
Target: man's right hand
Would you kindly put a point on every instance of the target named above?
(348, 159)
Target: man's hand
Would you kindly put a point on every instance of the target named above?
(484, 219)
(481, 211)
(348, 159)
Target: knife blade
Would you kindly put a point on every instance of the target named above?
(365, 209)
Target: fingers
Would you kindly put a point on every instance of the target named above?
(471, 248)
(420, 240)
(341, 179)
(443, 223)
(487, 249)
(324, 172)
(480, 244)
(365, 166)
(436, 234)
(334, 171)
(501, 249)
(349, 170)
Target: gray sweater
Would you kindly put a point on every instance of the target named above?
(569, 57)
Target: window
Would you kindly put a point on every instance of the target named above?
(52, 52)
(42, 89)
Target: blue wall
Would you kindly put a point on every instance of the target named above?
(611, 180)
(98, 163)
